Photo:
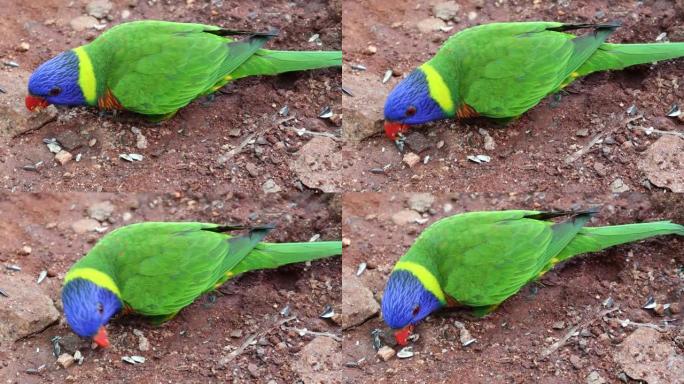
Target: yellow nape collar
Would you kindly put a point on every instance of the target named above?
(86, 76)
(96, 277)
(439, 91)
(423, 275)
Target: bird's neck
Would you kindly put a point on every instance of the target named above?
(441, 87)
(424, 270)
(90, 73)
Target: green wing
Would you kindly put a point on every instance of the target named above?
(158, 67)
(163, 267)
(504, 69)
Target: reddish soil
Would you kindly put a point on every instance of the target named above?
(188, 348)
(182, 153)
(530, 152)
(510, 340)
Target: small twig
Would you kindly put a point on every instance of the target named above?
(306, 331)
(303, 131)
(553, 347)
(239, 148)
(231, 356)
(653, 130)
(647, 325)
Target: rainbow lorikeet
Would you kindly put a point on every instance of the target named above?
(479, 259)
(155, 68)
(500, 70)
(157, 268)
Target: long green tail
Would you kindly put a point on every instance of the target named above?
(274, 255)
(619, 56)
(593, 239)
(268, 62)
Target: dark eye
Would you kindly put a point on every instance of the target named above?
(55, 91)
(410, 111)
(416, 309)
(100, 308)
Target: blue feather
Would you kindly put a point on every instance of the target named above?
(88, 306)
(60, 72)
(406, 301)
(413, 91)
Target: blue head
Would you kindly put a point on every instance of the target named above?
(56, 82)
(410, 103)
(88, 307)
(406, 302)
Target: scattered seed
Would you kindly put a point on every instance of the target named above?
(446, 29)
(314, 237)
(388, 75)
(362, 267)
(131, 157)
(30, 167)
(662, 37)
(426, 159)
(358, 67)
(285, 312)
(414, 337)
(78, 157)
(375, 338)
(2, 90)
(326, 113)
(3, 293)
(328, 312)
(405, 353)
(13, 267)
(284, 111)
(650, 304)
(479, 158)
(608, 303)
(314, 37)
(35, 371)
(42, 276)
(377, 170)
(56, 348)
(632, 111)
(12, 64)
(78, 356)
(347, 92)
(133, 359)
(674, 111)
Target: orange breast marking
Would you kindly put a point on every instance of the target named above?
(466, 111)
(109, 101)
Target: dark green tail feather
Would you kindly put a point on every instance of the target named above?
(268, 62)
(594, 239)
(619, 56)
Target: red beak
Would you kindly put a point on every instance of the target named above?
(101, 337)
(403, 334)
(392, 129)
(34, 102)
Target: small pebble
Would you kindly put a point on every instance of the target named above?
(386, 353)
(411, 159)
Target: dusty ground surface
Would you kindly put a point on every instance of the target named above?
(191, 151)
(192, 347)
(511, 340)
(529, 154)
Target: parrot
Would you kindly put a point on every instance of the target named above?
(155, 269)
(479, 259)
(501, 70)
(154, 68)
